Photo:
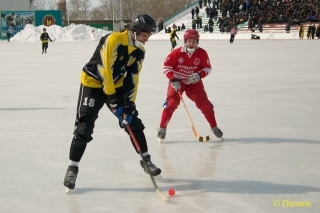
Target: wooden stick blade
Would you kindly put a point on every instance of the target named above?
(204, 139)
(161, 195)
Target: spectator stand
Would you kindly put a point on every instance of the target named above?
(184, 16)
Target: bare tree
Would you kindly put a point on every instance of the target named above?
(106, 8)
(45, 4)
(79, 9)
(83, 10)
(155, 8)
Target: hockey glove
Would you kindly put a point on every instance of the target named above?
(194, 78)
(117, 109)
(127, 116)
(175, 84)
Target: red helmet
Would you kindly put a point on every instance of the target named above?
(191, 34)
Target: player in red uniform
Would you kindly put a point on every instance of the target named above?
(185, 67)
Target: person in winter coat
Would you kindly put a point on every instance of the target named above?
(185, 67)
(193, 25)
(313, 31)
(200, 4)
(318, 31)
(197, 11)
(309, 32)
(233, 33)
(301, 31)
(192, 13)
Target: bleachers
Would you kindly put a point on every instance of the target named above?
(205, 20)
(202, 13)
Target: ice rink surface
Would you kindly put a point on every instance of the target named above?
(266, 95)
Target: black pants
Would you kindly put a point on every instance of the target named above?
(231, 38)
(90, 101)
(173, 44)
(44, 47)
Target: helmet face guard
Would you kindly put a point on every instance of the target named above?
(143, 23)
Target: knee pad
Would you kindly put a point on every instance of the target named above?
(83, 132)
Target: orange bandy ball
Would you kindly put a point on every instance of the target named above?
(171, 192)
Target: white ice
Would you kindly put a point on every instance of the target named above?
(266, 95)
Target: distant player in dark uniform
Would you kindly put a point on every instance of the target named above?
(173, 36)
(45, 38)
(111, 78)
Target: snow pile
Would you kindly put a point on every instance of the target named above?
(72, 32)
(82, 32)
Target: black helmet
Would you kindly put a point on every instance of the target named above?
(143, 23)
(44, 29)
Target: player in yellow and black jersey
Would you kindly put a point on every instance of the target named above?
(45, 38)
(111, 77)
(173, 36)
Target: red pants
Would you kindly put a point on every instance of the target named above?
(194, 92)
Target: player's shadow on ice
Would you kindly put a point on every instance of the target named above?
(238, 186)
(271, 140)
(248, 140)
(78, 190)
(202, 186)
(26, 108)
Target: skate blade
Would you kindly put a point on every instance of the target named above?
(67, 190)
(160, 140)
(157, 177)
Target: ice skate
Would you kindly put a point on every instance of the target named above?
(217, 132)
(155, 172)
(70, 178)
(161, 134)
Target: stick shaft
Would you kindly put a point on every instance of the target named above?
(200, 138)
(139, 150)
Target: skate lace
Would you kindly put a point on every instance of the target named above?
(217, 131)
(71, 177)
(162, 132)
(151, 165)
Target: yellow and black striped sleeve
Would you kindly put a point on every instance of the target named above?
(108, 56)
(131, 81)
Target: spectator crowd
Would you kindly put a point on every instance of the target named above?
(257, 13)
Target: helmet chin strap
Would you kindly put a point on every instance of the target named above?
(191, 50)
(137, 43)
